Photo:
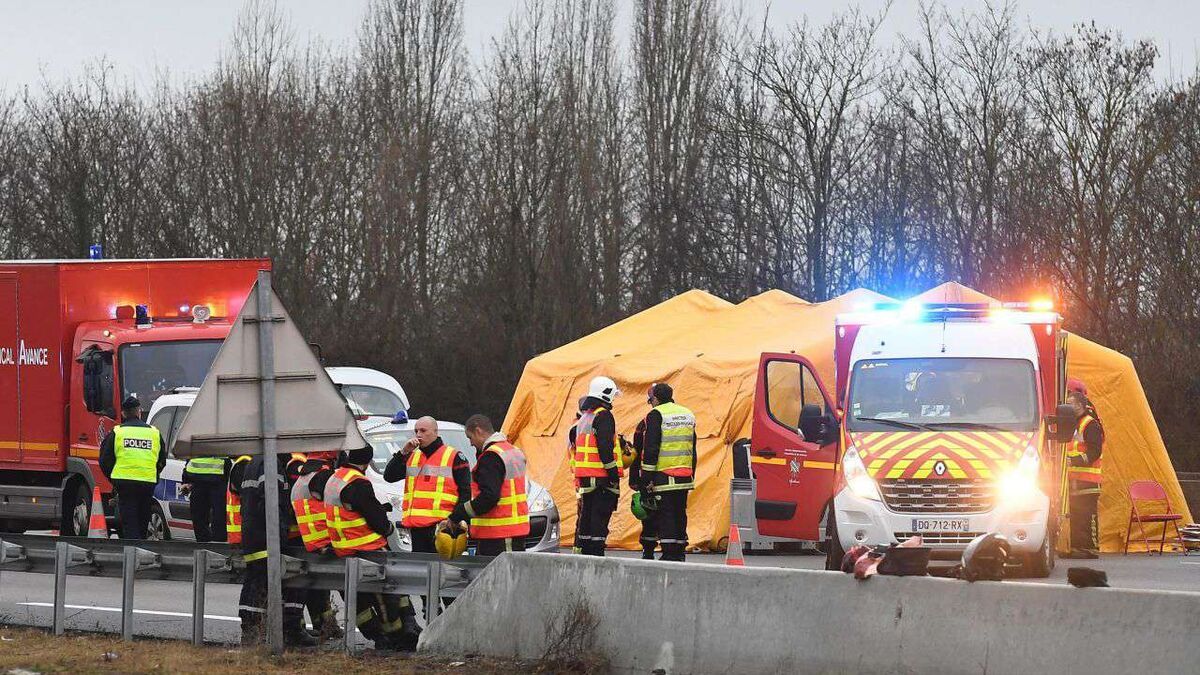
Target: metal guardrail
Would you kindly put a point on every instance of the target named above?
(201, 563)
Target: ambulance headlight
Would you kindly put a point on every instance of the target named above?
(1020, 484)
(542, 502)
(201, 313)
(857, 478)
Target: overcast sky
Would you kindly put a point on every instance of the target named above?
(141, 38)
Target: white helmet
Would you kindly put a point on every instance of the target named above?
(604, 389)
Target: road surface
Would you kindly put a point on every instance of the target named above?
(163, 608)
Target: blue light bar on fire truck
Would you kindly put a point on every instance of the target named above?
(915, 311)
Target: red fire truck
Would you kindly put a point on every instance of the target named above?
(945, 423)
(77, 337)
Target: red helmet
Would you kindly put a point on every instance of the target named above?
(1077, 385)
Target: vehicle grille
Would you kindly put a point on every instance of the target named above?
(944, 538)
(958, 496)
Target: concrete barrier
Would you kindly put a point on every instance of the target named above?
(692, 618)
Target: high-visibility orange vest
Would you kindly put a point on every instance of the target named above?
(233, 510)
(587, 453)
(310, 514)
(1091, 473)
(510, 516)
(430, 492)
(348, 530)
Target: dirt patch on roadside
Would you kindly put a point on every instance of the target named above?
(30, 650)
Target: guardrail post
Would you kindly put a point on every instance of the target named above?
(433, 592)
(199, 570)
(128, 575)
(350, 596)
(61, 553)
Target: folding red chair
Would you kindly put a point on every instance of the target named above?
(1151, 491)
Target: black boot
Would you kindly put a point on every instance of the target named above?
(252, 633)
(295, 636)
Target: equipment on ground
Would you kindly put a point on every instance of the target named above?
(985, 557)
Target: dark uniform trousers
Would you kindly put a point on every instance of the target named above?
(498, 546)
(669, 522)
(252, 602)
(595, 512)
(649, 537)
(135, 502)
(1085, 523)
(207, 502)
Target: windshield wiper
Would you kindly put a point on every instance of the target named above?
(895, 423)
(982, 426)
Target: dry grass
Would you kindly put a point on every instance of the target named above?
(38, 651)
(571, 640)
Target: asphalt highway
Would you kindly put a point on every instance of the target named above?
(163, 608)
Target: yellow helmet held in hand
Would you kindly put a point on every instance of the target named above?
(628, 453)
(450, 543)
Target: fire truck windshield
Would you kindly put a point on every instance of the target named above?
(942, 394)
(152, 369)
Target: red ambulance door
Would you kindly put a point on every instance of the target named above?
(10, 426)
(795, 475)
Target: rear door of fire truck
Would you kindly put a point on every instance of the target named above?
(793, 448)
(10, 429)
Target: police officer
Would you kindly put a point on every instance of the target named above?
(252, 603)
(668, 466)
(204, 482)
(1084, 456)
(499, 511)
(131, 456)
(597, 471)
(436, 478)
(358, 523)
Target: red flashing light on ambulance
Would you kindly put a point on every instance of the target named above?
(943, 422)
(76, 337)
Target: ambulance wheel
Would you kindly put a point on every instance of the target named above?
(1038, 565)
(833, 544)
(77, 509)
(158, 529)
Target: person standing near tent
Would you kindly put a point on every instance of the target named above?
(132, 456)
(499, 508)
(668, 468)
(649, 536)
(597, 471)
(1084, 456)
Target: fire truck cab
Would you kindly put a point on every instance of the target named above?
(944, 422)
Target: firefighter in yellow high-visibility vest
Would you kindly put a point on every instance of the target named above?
(668, 468)
(1084, 457)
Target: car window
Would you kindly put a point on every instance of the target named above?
(180, 414)
(163, 420)
(372, 400)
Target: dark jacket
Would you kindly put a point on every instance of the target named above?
(397, 465)
(108, 452)
(254, 506)
(605, 426)
(489, 478)
(359, 497)
(653, 442)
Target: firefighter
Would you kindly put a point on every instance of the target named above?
(499, 509)
(1084, 457)
(357, 522)
(436, 479)
(233, 500)
(314, 535)
(649, 536)
(205, 480)
(252, 603)
(668, 466)
(131, 456)
(597, 471)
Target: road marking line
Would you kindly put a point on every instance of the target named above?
(215, 617)
(1190, 562)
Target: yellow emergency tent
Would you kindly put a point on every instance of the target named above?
(709, 350)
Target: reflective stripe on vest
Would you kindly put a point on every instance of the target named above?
(233, 510)
(676, 448)
(310, 514)
(587, 452)
(206, 466)
(510, 516)
(137, 450)
(430, 492)
(1091, 473)
(348, 530)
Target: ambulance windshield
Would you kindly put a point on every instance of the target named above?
(943, 394)
(155, 368)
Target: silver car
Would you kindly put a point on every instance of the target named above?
(387, 439)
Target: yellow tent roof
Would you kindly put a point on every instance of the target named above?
(709, 350)
(953, 292)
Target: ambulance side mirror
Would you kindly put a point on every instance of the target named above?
(97, 382)
(1061, 427)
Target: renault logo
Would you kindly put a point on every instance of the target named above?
(939, 468)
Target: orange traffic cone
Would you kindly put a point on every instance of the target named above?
(733, 554)
(97, 527)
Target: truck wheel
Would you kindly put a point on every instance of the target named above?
(77, 510)
(158, 530)
(833, 545)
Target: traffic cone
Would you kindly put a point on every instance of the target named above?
(97, 527)
(733, 554)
